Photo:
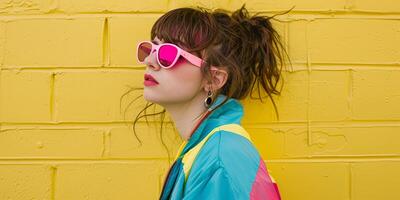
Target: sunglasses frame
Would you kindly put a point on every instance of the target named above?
(180, 52)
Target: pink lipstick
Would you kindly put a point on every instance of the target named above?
(149, 80)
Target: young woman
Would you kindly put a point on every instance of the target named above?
(199, 64)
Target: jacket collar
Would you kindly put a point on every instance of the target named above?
(230, 112)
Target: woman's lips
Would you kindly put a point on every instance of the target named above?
(149, 80)
(149, 83)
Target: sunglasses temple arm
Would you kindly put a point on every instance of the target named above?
(195, 60)
(192, 58)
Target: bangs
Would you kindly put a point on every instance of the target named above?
(189, 28)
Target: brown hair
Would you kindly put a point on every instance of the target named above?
(248, 46)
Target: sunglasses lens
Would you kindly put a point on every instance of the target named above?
(167, 55)
(144, 51)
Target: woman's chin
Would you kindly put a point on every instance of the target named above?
(147, 96)
(151, 97)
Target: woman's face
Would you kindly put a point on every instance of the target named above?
(177, 85)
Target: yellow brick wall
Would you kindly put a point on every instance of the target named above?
(65, 65)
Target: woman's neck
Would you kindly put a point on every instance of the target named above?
(186, 115)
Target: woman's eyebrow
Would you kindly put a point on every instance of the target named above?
(155, 42)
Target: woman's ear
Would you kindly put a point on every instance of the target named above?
(218, 78)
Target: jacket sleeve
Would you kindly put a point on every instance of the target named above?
(218, 187)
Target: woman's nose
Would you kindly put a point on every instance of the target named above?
(151, 61)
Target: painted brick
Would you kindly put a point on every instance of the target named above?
(343, 141)
(50, 143)
(25, 96)
(366, 41)
(291, 105)
(125, 34)
(96, 95)
(376, 94)
(261, 5)
(25, 181)
(375, 180)
(311, 180)
(376, 6)
(20, 7)
(95, 6)
(54, 42)
(2, 41)
(203, 3)
(344, 92)
(111, 180)
(297, 39)
(269, 141)
(329, 92)
(124, 144)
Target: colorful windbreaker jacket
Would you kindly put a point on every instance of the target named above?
(219, 161)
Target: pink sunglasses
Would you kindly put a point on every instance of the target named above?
(167, 54)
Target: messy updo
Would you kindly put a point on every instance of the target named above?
(248, 47)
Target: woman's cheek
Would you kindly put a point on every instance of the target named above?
(189, 78)
(185, 75)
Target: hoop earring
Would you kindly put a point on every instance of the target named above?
(208, 101)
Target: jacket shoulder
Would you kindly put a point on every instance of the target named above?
(231, 151)
(227, 157)
(236, 148)
(240, 158)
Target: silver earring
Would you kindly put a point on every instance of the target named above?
(208, 100)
